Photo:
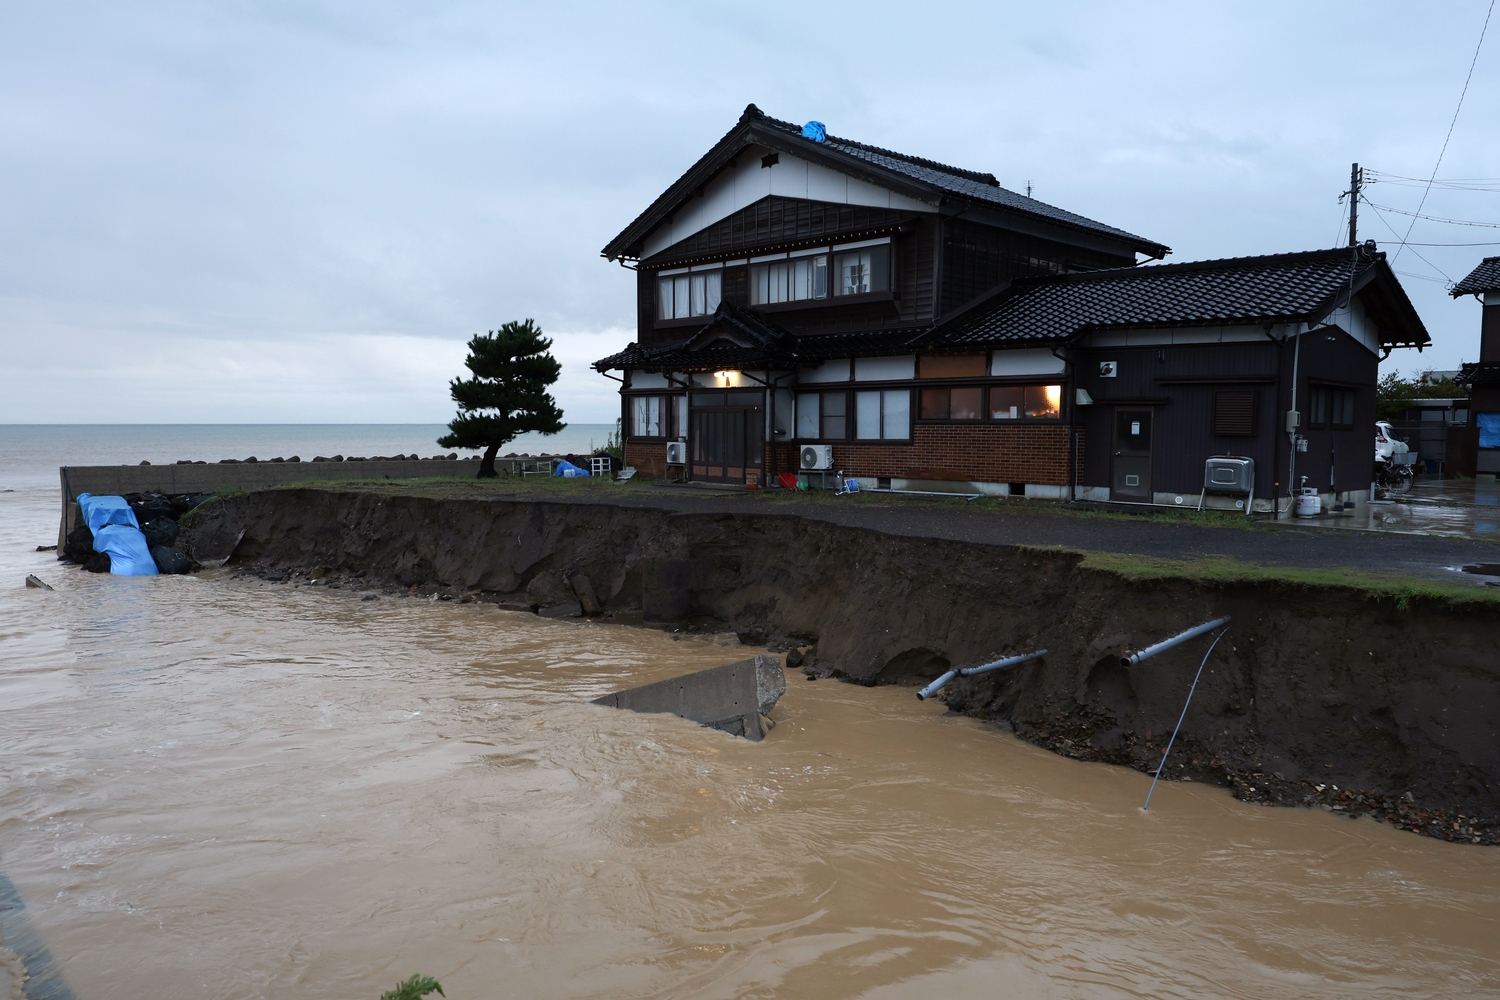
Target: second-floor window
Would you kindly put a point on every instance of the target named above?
(683, 296)
(859, 272)
(789, 280)
(819, 277)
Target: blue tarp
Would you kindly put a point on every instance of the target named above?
(565, 468)
(99, 511)
(815, 131)
(1489, 429)
(117, 534)
(129, 555)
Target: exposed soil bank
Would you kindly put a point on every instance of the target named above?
(1317, 695)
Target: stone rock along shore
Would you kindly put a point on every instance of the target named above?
(1319, 695)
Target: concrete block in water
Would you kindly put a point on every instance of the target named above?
(737, 697)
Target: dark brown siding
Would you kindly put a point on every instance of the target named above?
(773, 221)
(1489, 334)
(1179, 383)
(645, 285)
(1337, 460)
(977, 258)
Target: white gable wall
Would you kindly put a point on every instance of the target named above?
(743, 185)
(1357, 324)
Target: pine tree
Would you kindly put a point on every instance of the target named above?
(507, 394)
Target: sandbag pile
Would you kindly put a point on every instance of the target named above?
(132, 535)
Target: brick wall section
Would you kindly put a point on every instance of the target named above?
(982, 453)
(649, 459)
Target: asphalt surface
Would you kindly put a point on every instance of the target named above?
(1279, 544)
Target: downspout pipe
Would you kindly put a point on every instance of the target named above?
(1132, 659)
(1070, 399)
(984, 668)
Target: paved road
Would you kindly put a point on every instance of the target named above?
(1283, 544)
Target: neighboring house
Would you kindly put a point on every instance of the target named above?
(936, 331)
(1483, 377)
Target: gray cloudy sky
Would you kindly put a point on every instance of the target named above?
(299, 211)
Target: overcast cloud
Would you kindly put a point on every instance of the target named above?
(300, 211)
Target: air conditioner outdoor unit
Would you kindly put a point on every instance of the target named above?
(677, 453)
(817, 456)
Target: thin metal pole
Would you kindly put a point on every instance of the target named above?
(1185, 705)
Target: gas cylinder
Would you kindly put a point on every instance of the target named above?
(1309, 504)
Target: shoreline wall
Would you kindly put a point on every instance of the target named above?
(1316, 696)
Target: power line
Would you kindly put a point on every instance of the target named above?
(1381, 216)
(1433, 218)
(1449, 136)
(1492, 243)
(1423, 277)
(1450, 183)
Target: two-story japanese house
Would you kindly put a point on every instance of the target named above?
(922, 327)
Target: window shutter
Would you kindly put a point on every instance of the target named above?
(1234, 413)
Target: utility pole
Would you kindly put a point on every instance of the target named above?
(1356, 181)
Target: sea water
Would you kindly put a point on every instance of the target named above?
(219, 786)
(31, 453)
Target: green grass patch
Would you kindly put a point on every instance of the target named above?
(1222, 570)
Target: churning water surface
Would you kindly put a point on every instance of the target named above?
(217, 787)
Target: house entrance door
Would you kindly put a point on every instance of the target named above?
(726, 436)
(1132, 455)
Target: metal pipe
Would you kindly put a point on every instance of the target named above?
(1176, 640)
(1009, 661)
(937, 685)
(984, 668)
(1162, 766)
(929, 493)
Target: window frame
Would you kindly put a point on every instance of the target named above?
(672, 274)
(1325, 403)
(986, 410)
(1214, 414)
(849, 415)
(883, 392)
(671, 406)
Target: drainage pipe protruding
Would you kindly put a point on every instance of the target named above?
(937, 685)
(1009, 661)
(1176, 640)
(983, 668)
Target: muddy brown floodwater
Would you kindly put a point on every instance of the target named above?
(218, 787)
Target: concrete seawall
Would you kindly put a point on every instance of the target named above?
(220, 477)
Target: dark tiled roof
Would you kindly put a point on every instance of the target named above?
(862, 344)
(925, 179)
(970, 184)
(758, 344)
(634, 356)
(1484, 278)
(1294, 287)
(1478, 373)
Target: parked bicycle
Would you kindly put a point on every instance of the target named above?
(1393, 478)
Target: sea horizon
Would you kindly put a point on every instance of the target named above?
(30, 454)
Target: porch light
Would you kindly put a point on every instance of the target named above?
(726, 377)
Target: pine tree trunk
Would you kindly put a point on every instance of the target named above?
(487, 464)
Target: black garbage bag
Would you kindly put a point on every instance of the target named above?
(170, 560)
(78, 547)
(150, 505)
(189, 501)
(97, 562)
(160, 531)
